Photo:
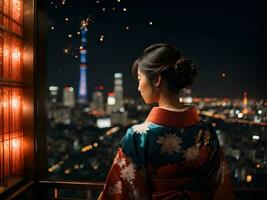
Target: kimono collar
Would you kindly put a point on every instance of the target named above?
(182, 118)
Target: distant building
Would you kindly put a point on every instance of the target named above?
(119, 118)
(60, 115)
(110, 102)
(118, 91)
(53, 94)
(69, 97)
(103, 122)
(98, 100)
(115, 102)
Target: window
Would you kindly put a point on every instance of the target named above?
(11, 83)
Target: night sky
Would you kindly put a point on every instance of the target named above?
(225, 39)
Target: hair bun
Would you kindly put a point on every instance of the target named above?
(185, 71)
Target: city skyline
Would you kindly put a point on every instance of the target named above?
(225, 40)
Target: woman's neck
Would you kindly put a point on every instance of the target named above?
(170, 102)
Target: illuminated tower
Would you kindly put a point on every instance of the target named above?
(82, 95)
(245, 103)
(245, 99)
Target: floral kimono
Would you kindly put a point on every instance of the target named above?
(172, 155)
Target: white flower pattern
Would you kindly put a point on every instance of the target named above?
(115, 189)
(170, 143)
(191, 153)
(127, 173)
(120, 161)
(141, 128)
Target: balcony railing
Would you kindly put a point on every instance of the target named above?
(54, 188)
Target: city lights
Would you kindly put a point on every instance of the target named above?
(101, 39)
(240, 115)
(249, 178)
(255, 137)
(95, 144)
(87, 148)
(66, 51)
(260, 112)
(112, 130)
(53, 88)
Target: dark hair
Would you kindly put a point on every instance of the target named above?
(165, 60)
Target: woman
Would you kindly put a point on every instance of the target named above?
(173, 154)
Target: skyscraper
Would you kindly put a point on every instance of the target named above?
(53, 94)
(118, 114)
(110, 102)
(83, 96)
(68, 97)
(98, 100)
(118, 91)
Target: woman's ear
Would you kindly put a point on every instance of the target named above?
(158, 81)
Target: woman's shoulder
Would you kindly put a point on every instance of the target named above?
(139, 132)
(143, 127)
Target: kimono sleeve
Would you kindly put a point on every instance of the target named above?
(126, 178)
(133, 146)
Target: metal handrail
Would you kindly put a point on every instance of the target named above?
(90, 185)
